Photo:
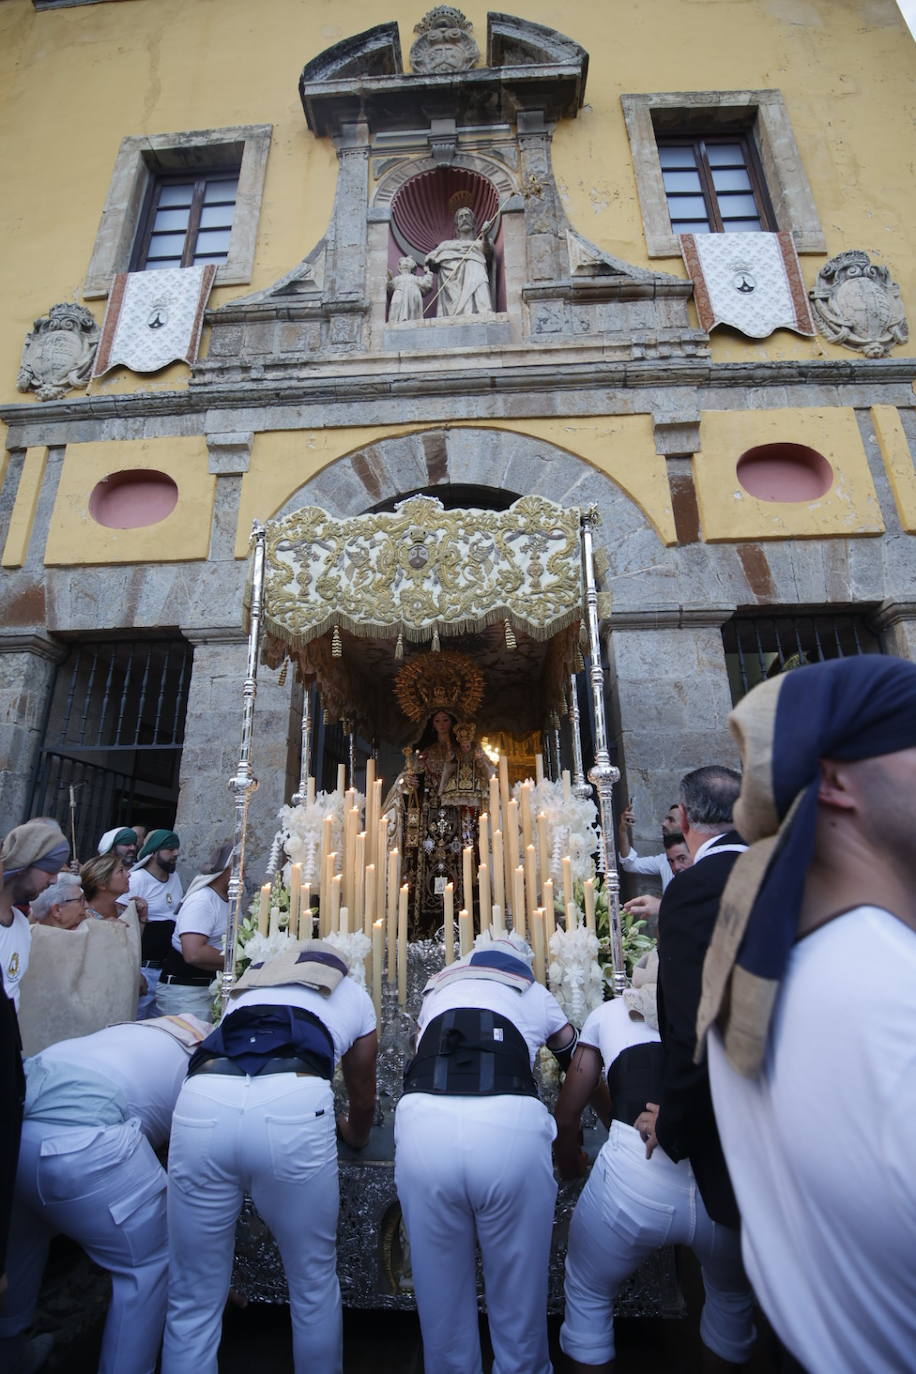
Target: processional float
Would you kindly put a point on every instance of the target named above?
(348, 599)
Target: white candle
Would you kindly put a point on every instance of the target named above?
(465, 933)
(539, 931)
(550, 920)
(567, 881)
(402, 945)
(572, 916)
(567, 794)
(378, 958)
(359, 880)
(336, 889)
(264, 909)
(543, 852)
(483, 837)
(504, 785)
(295, 897)
(495, 817)
(524, 812)
(496, 917)
(518, 901)
(343, 921)
(499, 875)
(341, 777)
(538, 769)
(327, 881)
(369, 909)
(589, 888)
(483, 888)
(394, 877)
(448, 912)
(327, 844)
(530, 882)
(309, 791)
(274, 920)
(305, 912)
(381, 850)
(467, 877)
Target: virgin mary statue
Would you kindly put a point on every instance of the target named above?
(434, 805)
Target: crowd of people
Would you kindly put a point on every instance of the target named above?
(757, 1080)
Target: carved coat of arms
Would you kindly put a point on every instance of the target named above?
(443, 43)
(858, 305)
(59, 352)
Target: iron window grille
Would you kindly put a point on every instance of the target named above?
(758, 647)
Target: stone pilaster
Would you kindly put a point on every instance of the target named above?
(213, 726)
(895, 622)
(27, 663)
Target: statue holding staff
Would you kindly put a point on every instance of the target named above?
(462, 264)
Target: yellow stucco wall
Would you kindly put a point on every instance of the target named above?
(900, 463)
(74, 81)
(75, 538)
(727, 512)
(619, 446)
(22, 518)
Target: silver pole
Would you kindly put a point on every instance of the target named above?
(581, 788)
(244, 784)
(305, 754)
(603, 773)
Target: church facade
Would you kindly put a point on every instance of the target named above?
(656, 265)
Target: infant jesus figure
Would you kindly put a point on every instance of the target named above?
(406, 292)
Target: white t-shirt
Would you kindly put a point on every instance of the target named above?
(15, 943)
(204, 912)
(821, 1148)
(347, 1014)
(536, 1013)
(610, 1030)
(162, 899)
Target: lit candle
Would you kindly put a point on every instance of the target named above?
(467, 877)
(497, 920)
(518, 901)
(341, 777)
(448, 911)
(295, 896)
(394, 877)
(572, 916)
(264, 909)
(538, 769)
(483, 837)
(305, 912)
(567, 794)
(550, 920)
(540, 942)
(378, 958)
(530, 882)
(369, 910)
(543, 852)
(465, 933)
(483, 888)
(499, 874)
(567, 882)
(343, 922)
(402, 945)
(589, 888)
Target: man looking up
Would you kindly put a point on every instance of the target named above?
(811, 983)
(153, 878)
(33, 854)
(684, 1124)
(654, 865)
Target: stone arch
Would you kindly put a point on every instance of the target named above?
(392, 178)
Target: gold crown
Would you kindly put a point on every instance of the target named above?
(445, 681)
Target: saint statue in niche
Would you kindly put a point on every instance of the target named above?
(462, 265)
(406, 292)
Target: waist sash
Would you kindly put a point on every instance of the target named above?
(471, 1052)
(635, 1078)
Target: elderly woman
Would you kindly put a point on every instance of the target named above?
(62, 906)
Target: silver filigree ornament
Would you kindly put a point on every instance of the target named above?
(444, 43)
(58, 354)
(858, 305)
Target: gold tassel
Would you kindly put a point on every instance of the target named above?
(282, 678)
(399, 647)
(436, 646)
(580, 661)
(336, 645)
(511, 641)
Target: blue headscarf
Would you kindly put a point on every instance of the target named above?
(847, 709)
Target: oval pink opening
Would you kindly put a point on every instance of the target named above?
(784, 472)
(129, 500)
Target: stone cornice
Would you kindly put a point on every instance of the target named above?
(214, 634)
(891, 613)
(669, 617)
(38, 644)
(303, 386)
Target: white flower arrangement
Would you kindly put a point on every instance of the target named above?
(354, 947)
(572, 824)
(300, 831)
(575, 976)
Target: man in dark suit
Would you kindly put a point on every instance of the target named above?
(683, 1123)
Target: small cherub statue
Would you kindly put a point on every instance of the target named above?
(406, 292)
(467, 774)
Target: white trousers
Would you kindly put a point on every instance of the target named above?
(629, 1207)
(104, 1187)
(273, 1137)
(478, 1169)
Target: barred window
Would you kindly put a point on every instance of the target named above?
(760, 646)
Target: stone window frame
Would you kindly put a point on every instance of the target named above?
(763, 115)
(142, 157)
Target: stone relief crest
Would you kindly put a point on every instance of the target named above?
(858, 305)
(444, 43)
(58, 354)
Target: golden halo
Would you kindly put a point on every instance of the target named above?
(446, 681)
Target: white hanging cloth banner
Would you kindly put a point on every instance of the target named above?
(154, 318)
(752, 282)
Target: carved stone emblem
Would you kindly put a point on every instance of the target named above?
(444, 43)
(58, 354)
(858, 305)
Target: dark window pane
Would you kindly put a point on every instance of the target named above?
(725, 155)
(731, 179)
(676, 156)
(681, 181)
